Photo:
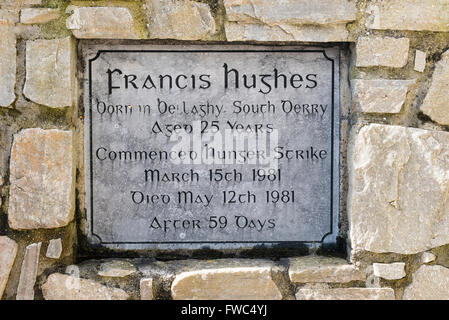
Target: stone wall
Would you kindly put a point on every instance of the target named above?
(395, 203)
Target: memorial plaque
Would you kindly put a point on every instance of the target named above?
(210, 146)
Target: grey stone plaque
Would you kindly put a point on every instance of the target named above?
(211, 146)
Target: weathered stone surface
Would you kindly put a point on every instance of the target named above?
(8, 17)
(346, 294)
(49, 72)
(54, 249)
(429, 283)
(182, 19)
(380, 96)
(7, 65)
(227, 283)
(116, 269)
(420, 61)
(146, 289)
(435, 104)
(322, 269)
(18, 3)
(292, 20)
(398, 189)
(64, 287)
(101, 23)
(428, 257)
(382, 51)
(429, 15)
(389, 271)
(28, 273)
(8, 251)
(41, 179)
(38, 15)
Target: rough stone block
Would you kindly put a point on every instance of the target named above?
(101, 23)
(38, 15)
(429, 283)
(389, 271)
(49, 72)
(54, 249)
(382, 52)
(146, 289)
(251, 283)
(28, 273)
(182, 20)
(420, 61)
(41, 179)
(435, 104)
(116, 269)
(8, 252)
(322, 269)
(64, 287)
(346, 294)
(398, 189)
(7, 65)
(428, 257)
(380, 96)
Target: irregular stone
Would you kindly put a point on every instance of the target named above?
(7, 65)
(435, 103)
(18, 3)
(8, 17)
(8, 252)
(380, 96)
(116, 269)
(146, 289)
(182, 19)
(227, 283)
(54, 249)
(293, 20)
(420, 61)
(418, 15)
(38, 15)
(49, 72)
(428, 257)
(389, 271)
(429, 283)
(101, 23)
(346, 294)
(64, 287)
(28, 273)
(322, 269)
(382, 51)
(41, 179)
(398, 189)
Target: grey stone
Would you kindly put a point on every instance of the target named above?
(389, 271)
(116, 269)
(101, 23)
(50, 72)
(435, 103)
(54, 249)
(146, 289)
(28, 273)
(41, 179)
(180, 19)
(398, 189)
(38, 15)
(382, 51)
(7, 65)
(429, 283)
(346, 294)
(8, 252)
(380, 96)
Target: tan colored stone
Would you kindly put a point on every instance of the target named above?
(116, 269)
(346, 294)
(398, 189)
(8, 252)
(389, 271)
(41, 179)
(49, 72)
(18, 3)
(292, 20)
(28, 273)
(146, 289)
(420, 61)
(245, 283)
(419, 15)
(181, 19)
(8, 63)
(101, 23)
(322, 269)
(436, 104)
(64, 287)
(54, 249)
(380, 96)
(38, 15)
(429, 283)
(428, 257)
(8, 17)
(382, 51)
